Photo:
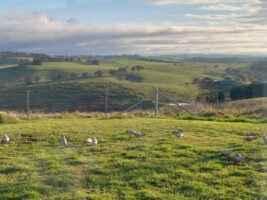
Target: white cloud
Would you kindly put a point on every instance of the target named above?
(238, 11)
(37, 32)
(213, 16)
(168, 2)
(254, 12)
(225, 7)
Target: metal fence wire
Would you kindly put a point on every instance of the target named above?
(70, 100)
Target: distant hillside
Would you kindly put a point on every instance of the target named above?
(68, 85)
(70, 97)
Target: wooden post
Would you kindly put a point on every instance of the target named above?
(157, 103)
(217, 102)
(28, 104)
(106, 103)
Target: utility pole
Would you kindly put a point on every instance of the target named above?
(157, 103)
(28, 104)
(106, 103)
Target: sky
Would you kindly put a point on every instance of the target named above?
(145, 27)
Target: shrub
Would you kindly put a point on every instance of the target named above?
(85, 75)
(93, 62)
(37, 78)
(27, 80)
(98, 73)
(37, 61)
(73, 75)
(57, 77)
(221, 96)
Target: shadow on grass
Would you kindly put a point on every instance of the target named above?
(134, 78)
(10, 170)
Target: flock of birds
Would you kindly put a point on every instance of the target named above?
(237, 158)
(89, 141)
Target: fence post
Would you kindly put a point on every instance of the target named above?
(217, 102)
(106, 103)
(157, 103)
(28, 104)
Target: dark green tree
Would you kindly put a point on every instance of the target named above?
(99, 73)
(221, 96)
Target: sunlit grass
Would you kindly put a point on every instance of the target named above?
(158, 166)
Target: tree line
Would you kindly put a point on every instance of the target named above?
(99, 73)
(213, 98)
(249, 91)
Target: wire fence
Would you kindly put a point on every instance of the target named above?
(54, 100)
(86, 100)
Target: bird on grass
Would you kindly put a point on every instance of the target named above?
(225, 152)
(250, 138)
(237, 158)
(92, 141)
(135, 133)
(178, 133)
(5, 139)
(64, 141)
(265, 139)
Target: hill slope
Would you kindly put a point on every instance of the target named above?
(173, 78)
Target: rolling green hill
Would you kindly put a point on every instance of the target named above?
(79, 84)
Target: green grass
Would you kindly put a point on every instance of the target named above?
(157, 166)
(172, 79)
(7, 118)
(14, 75)
(156, 73)
(160, 72)
(64, 96)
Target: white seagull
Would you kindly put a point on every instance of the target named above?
(5, 139)
(265, 139)
(92, 141)
(178, 133)
(135, 133)
(64, 140)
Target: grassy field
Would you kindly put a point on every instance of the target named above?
(87, 93)
(157, 166)
(155, 72)
(174, 79)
